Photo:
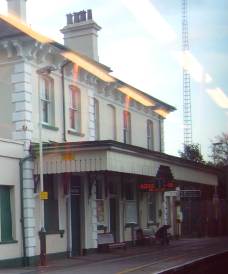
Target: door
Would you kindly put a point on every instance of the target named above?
(114, 213)
(76, 215)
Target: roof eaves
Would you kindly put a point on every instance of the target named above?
(155, 102)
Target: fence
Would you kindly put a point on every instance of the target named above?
(204, 218)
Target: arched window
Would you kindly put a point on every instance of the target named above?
(47, 99)
(75, 109)
(127, 127)
(150, 135)
(111, 122)
(96, 119)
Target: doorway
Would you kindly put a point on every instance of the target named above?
(76, 215)
(114, 217)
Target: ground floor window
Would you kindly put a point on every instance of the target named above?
(5, 215)
(152, 207)
(130, 212)
(51, 209)
(100, 201)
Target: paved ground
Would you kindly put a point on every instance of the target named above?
(137, 260)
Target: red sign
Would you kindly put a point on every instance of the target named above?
(156, 186)
(146, 187)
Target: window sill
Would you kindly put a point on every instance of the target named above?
(8, 242)
(60, 232)
(73, 132)
(50, 127)
(151, 223)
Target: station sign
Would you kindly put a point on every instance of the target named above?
(158, 185)
(191, 193)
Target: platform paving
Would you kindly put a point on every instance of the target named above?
(136, 260)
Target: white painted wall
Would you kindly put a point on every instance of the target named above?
(10, 154)
(6, 106)
(138, 117)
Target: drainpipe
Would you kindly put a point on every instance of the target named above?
(160, 134)
(66, 62)
(21, 162)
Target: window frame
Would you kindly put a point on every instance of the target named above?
(75, 108)
(100, 202)
(6, 226)
(47, 100)
(96, 119)
(113, 109)
(132, 193)
(100, 187)
(126, 127)
(150, 134)
(152, 200)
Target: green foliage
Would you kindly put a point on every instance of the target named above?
(219, 148)
(192, 152)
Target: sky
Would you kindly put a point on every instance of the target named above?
(141, 42)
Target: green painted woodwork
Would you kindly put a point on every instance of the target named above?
(5, 214)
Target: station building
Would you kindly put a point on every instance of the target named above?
(97, 142)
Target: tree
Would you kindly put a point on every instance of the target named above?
(192, 152)
(219, 149)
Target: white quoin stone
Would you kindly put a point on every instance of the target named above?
(29, 203)
(29, 222)
(17, 8)
(22, 87)
(29, 233)
(21, 97)
(30, 251)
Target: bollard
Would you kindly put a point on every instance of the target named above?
(43, 255)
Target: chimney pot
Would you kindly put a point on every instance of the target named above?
(82, 34)
(82, 15)
(76, 17)
(89, 14)
(69, 19)
(17, 8)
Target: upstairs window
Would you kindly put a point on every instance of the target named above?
(75, 108)
(127, 127)
(150, 135)
(47, 99)
(111, 122)
(5, 215)
(96, 119)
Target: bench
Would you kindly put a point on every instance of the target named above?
(106, 242)
(145, 236)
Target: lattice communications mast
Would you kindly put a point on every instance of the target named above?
(187, 112)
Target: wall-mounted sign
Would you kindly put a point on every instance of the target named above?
(43, 195)
(158, 185)
(191, 193)
(164, 181)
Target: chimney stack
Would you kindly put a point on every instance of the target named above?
(80, 33)
(17, 8)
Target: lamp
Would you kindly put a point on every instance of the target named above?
(43, 72)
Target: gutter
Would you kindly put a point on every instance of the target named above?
(66, 62)
(21, 162)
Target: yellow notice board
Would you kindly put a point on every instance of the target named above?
(43, 195)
